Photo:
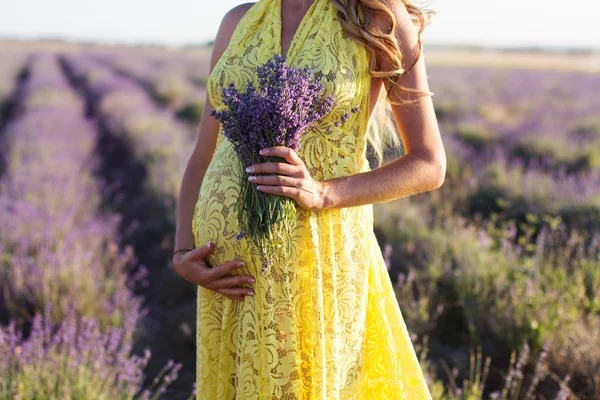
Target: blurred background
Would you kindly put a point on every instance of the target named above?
(497, 272)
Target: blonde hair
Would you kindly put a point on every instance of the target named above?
(356, 17)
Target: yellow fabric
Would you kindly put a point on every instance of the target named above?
(326, 324)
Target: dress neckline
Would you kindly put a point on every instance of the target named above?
(299, 29)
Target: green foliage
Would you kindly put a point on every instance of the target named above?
(588, 129)
(465, 284)
(560, 151)
(191, 112)
(478, 138)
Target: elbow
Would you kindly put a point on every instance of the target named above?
(439, 173)
(434, 170)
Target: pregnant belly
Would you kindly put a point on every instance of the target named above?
(214, 217)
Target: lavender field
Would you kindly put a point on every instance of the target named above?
(497, 272)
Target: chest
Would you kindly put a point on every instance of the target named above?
(291, 20)
(317, 41)
(290, 23)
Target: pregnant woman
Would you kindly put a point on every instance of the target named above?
(324, 322)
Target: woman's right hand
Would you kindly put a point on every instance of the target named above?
(192, 267)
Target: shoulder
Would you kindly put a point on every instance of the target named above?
(226, 29)
(406, 31)
(233, 16)
(398, 8)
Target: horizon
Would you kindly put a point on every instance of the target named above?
(209, 43)
(458, 23)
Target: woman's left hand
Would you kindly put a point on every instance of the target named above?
(291, 179)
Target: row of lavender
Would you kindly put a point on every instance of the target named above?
(156, 136)
(506, 255)
(523, 257)
(532, 326)
(532, 138)
(501, 313)
(173, 84)
(66, 295)
(11, 66)
(12, 71)
(527, 141)
(153, 137)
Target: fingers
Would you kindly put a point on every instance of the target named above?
(197, 270)
(201, 252)
(275, 168)
(238, 298)
(275, 180)
(288, 191)
(294, 166)
(227, 286)
(230, 281)
(236, 293)
(282, 151)
(214, 273)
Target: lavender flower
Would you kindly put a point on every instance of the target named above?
(284, 105)
(287, 103)
(387, 253)
(81, 348)
(240, 236)
(563, 393)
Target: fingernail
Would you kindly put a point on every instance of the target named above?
(240, 264)
(250, 169)
(250, 293)
(263, 151)
(251, 280)
(209, 243)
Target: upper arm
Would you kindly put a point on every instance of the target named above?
(209, 127)
(417, 122)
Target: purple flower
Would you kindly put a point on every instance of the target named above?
(286, 103)
(276, 109)
(240, 236)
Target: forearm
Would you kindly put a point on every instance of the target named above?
(188, 196)
(408, 175)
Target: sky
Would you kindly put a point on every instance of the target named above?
(506, 23)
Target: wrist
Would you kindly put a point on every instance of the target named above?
(325, 195)
(177, 257)
(182, 250)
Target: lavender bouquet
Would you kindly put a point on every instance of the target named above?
(286, 104)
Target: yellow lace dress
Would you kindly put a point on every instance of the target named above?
(325, 324)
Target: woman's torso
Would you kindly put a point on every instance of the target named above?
(321, 44)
